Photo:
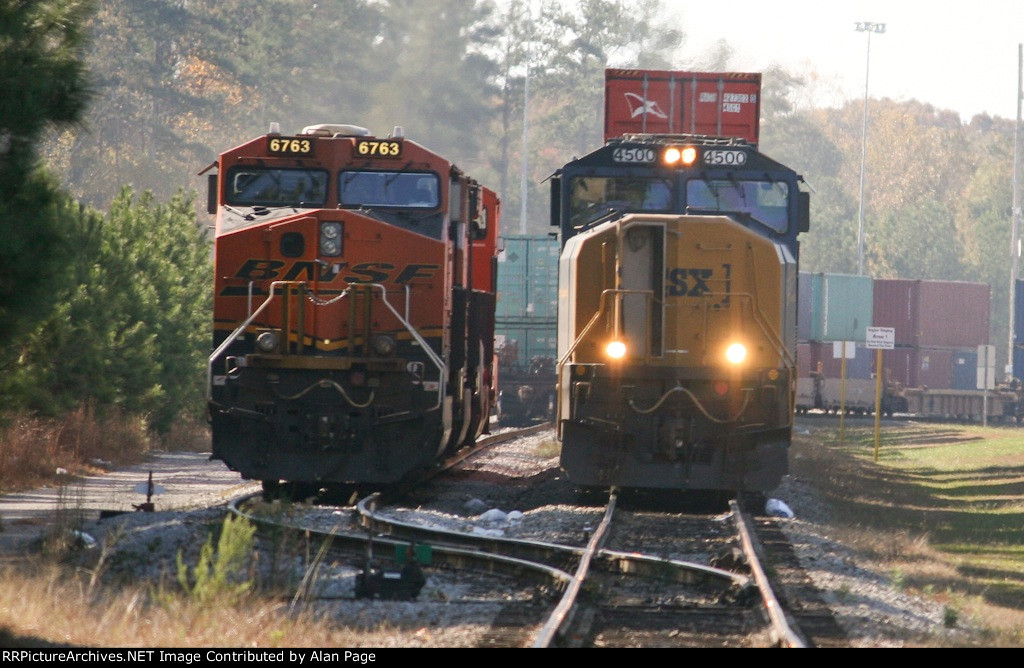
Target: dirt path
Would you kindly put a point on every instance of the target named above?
(181, 480)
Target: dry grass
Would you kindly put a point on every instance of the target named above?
(36, 451)
(186, 437)
(52, 606)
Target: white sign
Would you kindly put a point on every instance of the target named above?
(881, 337)
(839, 347)
(986, 367)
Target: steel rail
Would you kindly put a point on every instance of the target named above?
(782, 632)
(532, 550)
(561, 617)
(447, 555)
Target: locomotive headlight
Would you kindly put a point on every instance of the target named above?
(675, 155)
(383, 344)
(268, 341)
(616, 350)
(736, 353)
(330, 239)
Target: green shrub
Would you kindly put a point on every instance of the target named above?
(221, 575)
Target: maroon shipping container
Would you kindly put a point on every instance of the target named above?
(900, 366)
(953, 313)
(896, 306)
(935, 368)
(722, 104)
(807, 356)
(919, 367)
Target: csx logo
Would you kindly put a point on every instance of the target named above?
(366, 272)
(696, 282)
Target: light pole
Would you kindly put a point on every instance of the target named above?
(1015, 235)
(868, 27)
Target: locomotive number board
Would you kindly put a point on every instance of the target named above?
(730, 158)
(290, 146)
(378, 148)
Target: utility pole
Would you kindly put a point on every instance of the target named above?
(868, 27)
(523, 185)
(1015, 237)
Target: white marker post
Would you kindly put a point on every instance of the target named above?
(879, 338)
(986, 377)
(844, 350)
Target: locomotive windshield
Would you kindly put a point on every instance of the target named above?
(264, 186)
(414, 190)
(595, 196)
(767, 202)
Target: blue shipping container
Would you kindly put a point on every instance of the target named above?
(965, 370)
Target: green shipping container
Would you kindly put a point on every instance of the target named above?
(846, 307)
(528, 278)
(809, 322)
(525, 342)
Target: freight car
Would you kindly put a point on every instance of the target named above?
(931, 370)
(353, 308)
(525, 335)
(677, 291)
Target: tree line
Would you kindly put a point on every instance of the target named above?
(104, 269)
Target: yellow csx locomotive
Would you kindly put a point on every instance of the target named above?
(677, 313)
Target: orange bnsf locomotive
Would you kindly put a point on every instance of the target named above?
(354, 307)
(677, 293)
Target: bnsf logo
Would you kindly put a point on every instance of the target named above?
(366, 272)
(694, 282)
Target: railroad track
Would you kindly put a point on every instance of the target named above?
(633, 578)
(612, 598)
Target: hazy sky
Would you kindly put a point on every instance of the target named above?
(952, 54)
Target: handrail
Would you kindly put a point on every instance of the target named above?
(238, 330)
(442, 368)
(586, 330)
(436, 359)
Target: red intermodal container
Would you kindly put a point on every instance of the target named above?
(935, 368)
(900, 366)
(896, 306)
(807, 356)
(951, 314)
(721, 104)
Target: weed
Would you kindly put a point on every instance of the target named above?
(843, 593)
(898, 579)
(305, 588)
(547, 448)
(219, 575)
(109, 543)
(949, 617)
(280, 573)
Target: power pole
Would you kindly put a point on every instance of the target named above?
(1015, 239)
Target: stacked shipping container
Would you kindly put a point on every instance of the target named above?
(527, 305)
(938, 326)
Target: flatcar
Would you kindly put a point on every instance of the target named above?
(353, 326)
(677, 304)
